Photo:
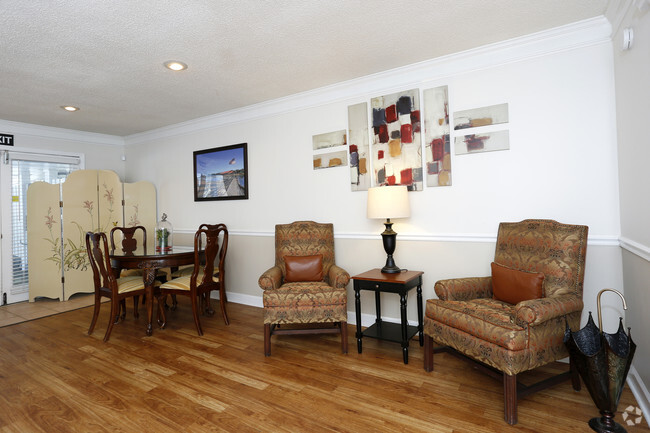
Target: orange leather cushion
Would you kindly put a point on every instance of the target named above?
(303, 268)
(513, 286)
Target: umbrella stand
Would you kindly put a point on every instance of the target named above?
(603, 361)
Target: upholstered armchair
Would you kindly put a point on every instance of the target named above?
(514, 320)
(305, 286)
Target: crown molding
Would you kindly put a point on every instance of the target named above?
(572, 36)
(49, 132)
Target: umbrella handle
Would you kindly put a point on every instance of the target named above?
(600, 316)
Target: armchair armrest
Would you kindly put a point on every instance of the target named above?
(271, 278)
(464, 289)
(338, 277)
(536, 311)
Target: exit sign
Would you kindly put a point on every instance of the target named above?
(7, 139)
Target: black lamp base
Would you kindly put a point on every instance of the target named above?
(389, 239)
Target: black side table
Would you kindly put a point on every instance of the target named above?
(400, 284)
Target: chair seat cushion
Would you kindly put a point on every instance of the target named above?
(307, 302)
(129, 284)
(484, 318)
(183, 283)
(313, 293)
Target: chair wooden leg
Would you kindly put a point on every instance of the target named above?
(267, 339)
(115, 311)
(575, 375)
(162, 303)
(428, 353)
(93, 322)
(122, 314)
(344, 337)
(510, 398)
(222, 305)
(195, 313)
(135, 306)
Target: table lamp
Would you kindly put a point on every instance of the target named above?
(389, 202)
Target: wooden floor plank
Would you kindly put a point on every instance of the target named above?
(55, 377)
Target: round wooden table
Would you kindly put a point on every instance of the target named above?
(149, 261)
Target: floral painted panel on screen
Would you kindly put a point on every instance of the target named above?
(396, 147)
(359, 146)
(437, 147)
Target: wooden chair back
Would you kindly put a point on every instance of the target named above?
(129, 242)
(97, 250)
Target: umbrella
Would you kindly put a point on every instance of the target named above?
(603, 361)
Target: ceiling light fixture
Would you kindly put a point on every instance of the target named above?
(175, 65)
(70, 108)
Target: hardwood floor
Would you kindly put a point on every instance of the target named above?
(55, 378)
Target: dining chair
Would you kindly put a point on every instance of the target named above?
(187, 270)
(107, 285)
(202, 280)
(129, 244)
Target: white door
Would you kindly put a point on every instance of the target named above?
(19, 169)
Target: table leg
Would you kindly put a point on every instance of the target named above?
(420, 317)
(378, 308)
(149, 277)
(405, 342)
(357, 309)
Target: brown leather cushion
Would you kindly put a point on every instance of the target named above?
(303, 268)
(513, 286)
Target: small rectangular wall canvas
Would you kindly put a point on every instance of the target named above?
(396, 146)
(482, 142)
(330, 159)
(437, 148)
(359, 147)
(329, 139)
(483, 116)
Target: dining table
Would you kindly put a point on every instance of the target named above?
(149, 260)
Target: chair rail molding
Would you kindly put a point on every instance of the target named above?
(600, 240)
(635, 248)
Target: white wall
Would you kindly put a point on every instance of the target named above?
(633, 111)
(562, 165)
(101, 151)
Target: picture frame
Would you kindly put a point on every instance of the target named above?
(221, 173)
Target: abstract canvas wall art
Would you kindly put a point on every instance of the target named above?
(330, 159)
(483, 116)
(359, 147)
(482, 142)
(396, 147)
(437, 148)
(329, 139)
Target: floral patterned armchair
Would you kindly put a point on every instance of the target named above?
(305, 286)
(507, 338)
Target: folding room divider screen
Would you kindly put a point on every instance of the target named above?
(58, 217)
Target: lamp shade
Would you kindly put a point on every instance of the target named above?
(388, 202)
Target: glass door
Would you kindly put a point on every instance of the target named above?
(18, 170)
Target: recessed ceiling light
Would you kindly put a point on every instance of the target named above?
(175, 65)
(70, 108)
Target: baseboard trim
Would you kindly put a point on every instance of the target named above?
(640, 392)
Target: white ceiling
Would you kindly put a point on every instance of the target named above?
(106, 56)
